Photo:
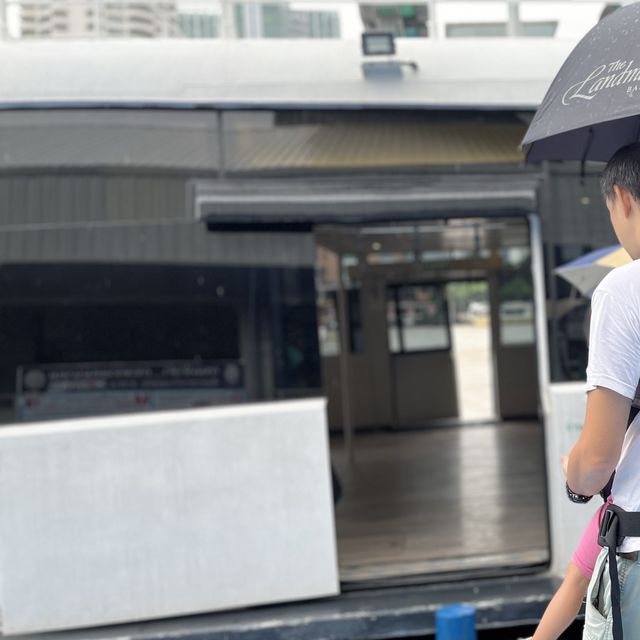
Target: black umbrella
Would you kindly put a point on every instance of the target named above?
(593, 105)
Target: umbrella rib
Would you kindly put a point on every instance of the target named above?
(584, 155)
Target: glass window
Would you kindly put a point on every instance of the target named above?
(297, 361)
(477, 30)
(517, 321)
(138, 333)
(403, 20)
(328, 324)
(539, 29)
(571, 340)
(199, 25)
(254, 20)
(568, 316)
(393, 323)
(294, 331)
(80, 358)
(89, 339)
(545, 29)
(330, 268)
(356, 338)
(417, 318)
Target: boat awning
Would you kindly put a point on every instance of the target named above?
(308, 202)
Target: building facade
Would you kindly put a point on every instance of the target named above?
(86, 20)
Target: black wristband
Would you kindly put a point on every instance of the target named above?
(576, 497)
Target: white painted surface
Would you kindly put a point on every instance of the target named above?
(568, 520)
(489, 72)
(107, 520)
(563, 407)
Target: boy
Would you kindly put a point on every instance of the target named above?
(613, 372)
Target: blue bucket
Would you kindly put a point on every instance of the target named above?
(456, 622)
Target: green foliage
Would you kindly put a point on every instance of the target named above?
(516, 287)
(462, 293)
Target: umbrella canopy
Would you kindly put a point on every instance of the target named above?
(586, 272)
(592, 107)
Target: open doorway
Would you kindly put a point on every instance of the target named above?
(470, 312)
(425, 492)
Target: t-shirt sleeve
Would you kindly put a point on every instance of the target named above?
(614, 345)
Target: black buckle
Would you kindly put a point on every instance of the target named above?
(608, 532)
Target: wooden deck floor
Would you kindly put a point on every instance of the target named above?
(446, 499)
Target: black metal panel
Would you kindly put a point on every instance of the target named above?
(365, 615)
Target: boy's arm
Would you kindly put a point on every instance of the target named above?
(596, 454)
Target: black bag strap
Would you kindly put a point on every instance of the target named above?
(616, 525)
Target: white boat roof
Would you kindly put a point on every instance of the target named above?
(501, 73)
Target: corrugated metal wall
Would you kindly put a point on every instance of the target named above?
(36, 199)
(132, 219)
(170, 244)
(121, 139)
(149, 218)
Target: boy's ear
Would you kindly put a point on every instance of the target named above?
(626, 201)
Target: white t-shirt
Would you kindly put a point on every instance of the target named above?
(614, 363)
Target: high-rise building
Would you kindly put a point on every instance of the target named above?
(154, 19)
(260, 20)
(199, 25)
(111, 19)
(403, 20)
(313, 24)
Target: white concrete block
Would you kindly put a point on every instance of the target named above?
(124, 518)
(564, 424)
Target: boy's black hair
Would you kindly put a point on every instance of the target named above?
(624, 170)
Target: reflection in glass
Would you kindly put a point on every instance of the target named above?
(294, 331)
(328, 274)
(417, 318)
(297, 364)
(328, 334)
